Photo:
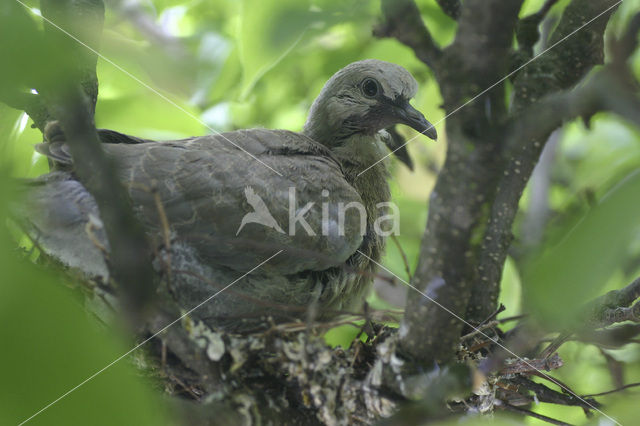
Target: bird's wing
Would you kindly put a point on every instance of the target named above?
(201, 185)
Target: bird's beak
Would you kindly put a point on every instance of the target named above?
(414, 119)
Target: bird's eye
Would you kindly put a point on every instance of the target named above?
(370, 87)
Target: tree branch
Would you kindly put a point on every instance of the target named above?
(71, 94)
(460, 201)
(526, 412)
(528, 31)
(450, 7)
(30, 103)
(479, 55)
(559, 69)
(563, 66)
(402, 21)
(615, 306)
(84, 20)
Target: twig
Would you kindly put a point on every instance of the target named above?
(185, 387)
(546, 394)
(479, 329)
(613, 306)
(166, 229)
(555, 344)
(515, 409)
(564, 387)
(532, 366)
(512, 318)
(407, 268)
(495, 313)
(621, 388)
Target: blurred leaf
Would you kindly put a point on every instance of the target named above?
(342, 335)
(22, 42)
(17, 155)
(126, 105)
(606, 152)
(530, 7)
(268, 31)
(51, 344)
(226, 86)
(624, 410)
(440, 25)
(167, 66)
(561, 278)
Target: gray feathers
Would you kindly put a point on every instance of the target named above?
(63, 219)
(227, 212)
(342, 109)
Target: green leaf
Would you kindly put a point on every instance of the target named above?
(50, 344)
(561, 278)
(268, 30)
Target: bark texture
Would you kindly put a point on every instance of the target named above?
(490, 157)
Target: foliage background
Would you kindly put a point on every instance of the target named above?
(227, 64)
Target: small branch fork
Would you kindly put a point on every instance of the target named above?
(507, 140)
(402, 21)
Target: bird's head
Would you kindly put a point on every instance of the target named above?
(362, 99)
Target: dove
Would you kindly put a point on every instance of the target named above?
(311, 202)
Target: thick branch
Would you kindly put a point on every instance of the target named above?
(72, 93)
(559, 69)
(604, 311)
(562, 66)
(30, 103)
(450, 7)
(615, 306)
(603, 92)
(83, 19)
(479, 55)
(402, 20)
(528, 29)
(460, 201)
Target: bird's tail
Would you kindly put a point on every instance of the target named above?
(55, 146)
